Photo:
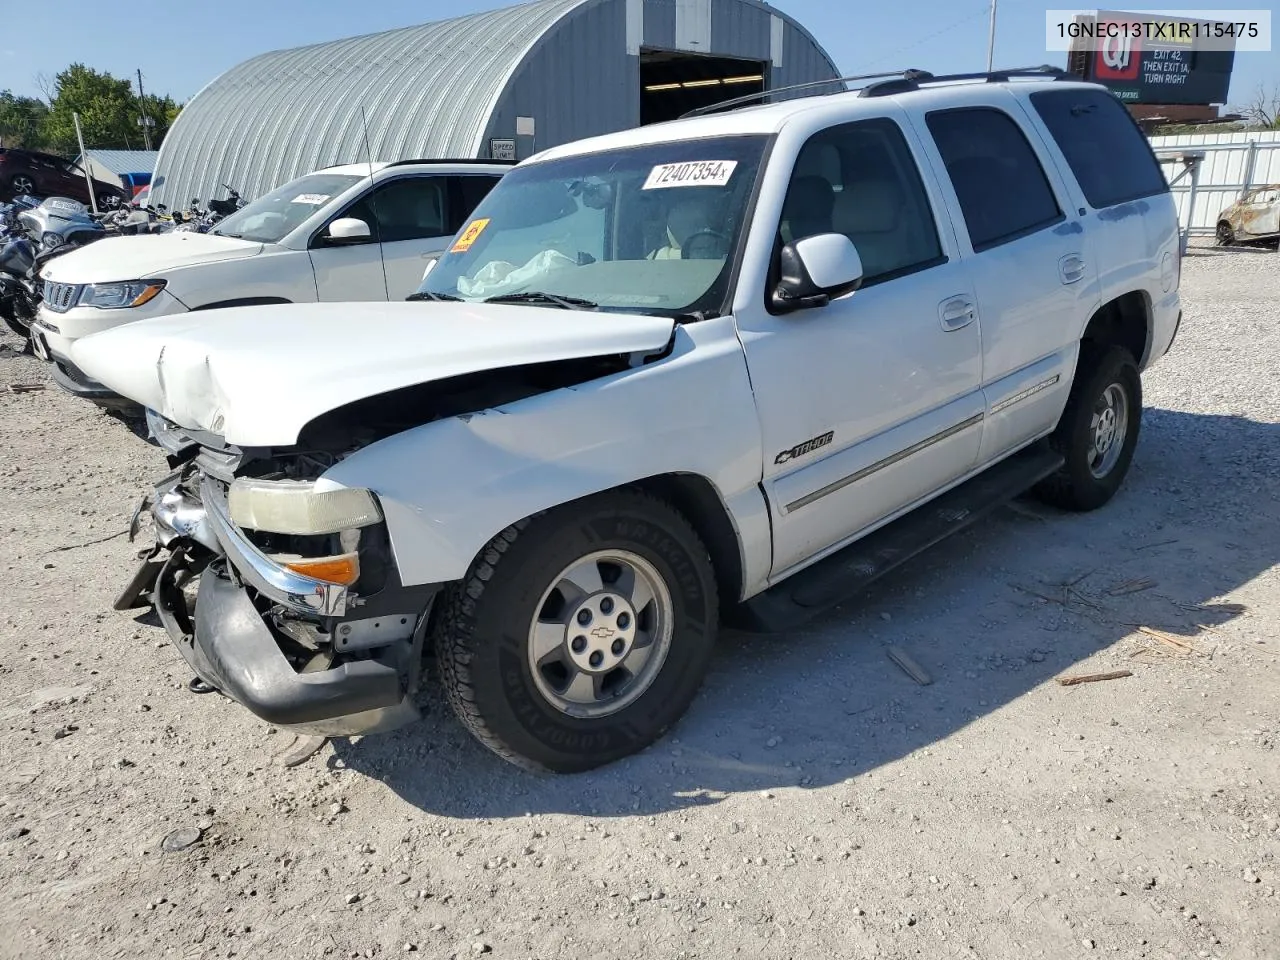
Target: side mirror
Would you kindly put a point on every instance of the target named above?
(348, 230)
(815, 271)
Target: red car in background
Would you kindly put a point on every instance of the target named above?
(44, 175)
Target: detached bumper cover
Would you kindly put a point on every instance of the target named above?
(230, 647)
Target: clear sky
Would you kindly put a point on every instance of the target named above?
(180, 45)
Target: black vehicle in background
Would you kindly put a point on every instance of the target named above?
(44, 175)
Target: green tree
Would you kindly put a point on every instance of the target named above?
(21, 120)
(109, 110)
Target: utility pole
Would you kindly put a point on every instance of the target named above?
(145, 122)
(991, 39)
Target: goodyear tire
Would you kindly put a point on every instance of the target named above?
(579, 636)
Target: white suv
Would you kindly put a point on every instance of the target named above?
(313, 239)
(732, 366)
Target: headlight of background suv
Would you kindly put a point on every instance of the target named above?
(296, 507)
(114, 296)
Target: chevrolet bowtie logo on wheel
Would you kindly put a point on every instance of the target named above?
(601, 633)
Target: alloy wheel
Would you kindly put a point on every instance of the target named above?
(601, 635)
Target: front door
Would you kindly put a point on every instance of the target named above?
(1262, 215)
(409, 215)
(872, 402)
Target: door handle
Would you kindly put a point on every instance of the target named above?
(1071, 268)
(956, 313)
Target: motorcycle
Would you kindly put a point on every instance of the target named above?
(59, 222)
(19, 289)
(224, 208)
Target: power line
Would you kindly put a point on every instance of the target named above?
(984, 10)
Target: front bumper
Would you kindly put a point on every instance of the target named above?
(76, 382)
(57, 331)
(228, 640)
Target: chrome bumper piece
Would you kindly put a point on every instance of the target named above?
(207, 522)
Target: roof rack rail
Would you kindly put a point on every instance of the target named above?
(905, 84)
(760, 95)
(453, 160)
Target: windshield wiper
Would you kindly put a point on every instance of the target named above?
(695, 316)
(537, 296)
(431, 295)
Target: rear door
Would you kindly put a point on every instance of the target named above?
(68, 180)
(1027, 255)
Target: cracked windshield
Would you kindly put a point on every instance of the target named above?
(646, 229)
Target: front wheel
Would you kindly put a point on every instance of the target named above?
(22, 185)
(1226, 235)
(1098, 430)
(581, 635)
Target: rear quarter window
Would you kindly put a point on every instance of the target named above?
(1102, 144)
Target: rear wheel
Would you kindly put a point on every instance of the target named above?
(1226, 235)
(580, 636)
(1098, 430)
(22, 184)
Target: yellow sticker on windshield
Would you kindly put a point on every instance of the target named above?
(469, 236)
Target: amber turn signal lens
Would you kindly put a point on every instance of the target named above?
(148, 293)
(343, 569)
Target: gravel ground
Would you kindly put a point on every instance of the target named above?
(815, 802)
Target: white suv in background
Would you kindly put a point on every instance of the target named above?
(314, 239)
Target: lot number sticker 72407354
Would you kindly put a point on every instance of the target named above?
(691, 173)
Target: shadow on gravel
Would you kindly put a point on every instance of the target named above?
(989, 614)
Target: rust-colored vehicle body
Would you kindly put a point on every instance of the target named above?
(1255, 216)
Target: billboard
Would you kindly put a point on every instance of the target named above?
(1154, 66)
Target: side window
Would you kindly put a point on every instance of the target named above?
(411, 208)
(469, 191)
(1106, 151)
(1003, 191)
(861, 180)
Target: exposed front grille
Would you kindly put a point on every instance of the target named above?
(60, 297)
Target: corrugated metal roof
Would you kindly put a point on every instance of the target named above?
(426, 91)
(125, 161)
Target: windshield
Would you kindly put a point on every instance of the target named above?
(278, 213)
(650, 229)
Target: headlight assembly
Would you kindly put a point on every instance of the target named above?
(296, 507)
(115, 296)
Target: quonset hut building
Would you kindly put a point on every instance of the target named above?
(501, 84)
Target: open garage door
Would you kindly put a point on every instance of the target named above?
(674, 83)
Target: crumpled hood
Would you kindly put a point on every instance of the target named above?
(143, 258)
(257, 375)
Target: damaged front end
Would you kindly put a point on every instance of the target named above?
(281, 591)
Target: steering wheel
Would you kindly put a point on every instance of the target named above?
(705, 245)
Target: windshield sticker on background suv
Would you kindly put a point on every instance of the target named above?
(693, 173)
(314, 199)
(469, 236)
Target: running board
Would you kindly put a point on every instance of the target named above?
(840, 576)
